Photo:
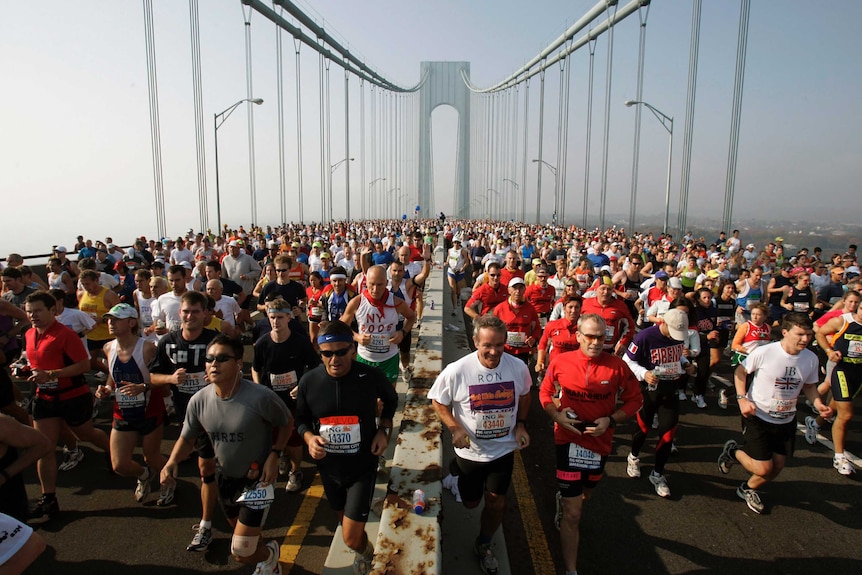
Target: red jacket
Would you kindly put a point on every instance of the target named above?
(489, 297)
(589, 386)
(520, 323)
(542, 298)
(617, 316)
(563, 335)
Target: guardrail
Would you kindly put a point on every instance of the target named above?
(408, 542)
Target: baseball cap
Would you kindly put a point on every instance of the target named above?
(677, 324)
(122, 311)
(317, 245)
(325, 256)
(570, 282)
(541, 271)
(234, 244)
(60, 249)
(536, 261)
(749, 246)
(674, 283)
(661, 275)
(516, 281)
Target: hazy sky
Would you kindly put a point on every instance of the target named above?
(75, 137)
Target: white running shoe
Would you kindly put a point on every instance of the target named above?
(362, 563)
(271, 566)
(71, 459)
(660, 484)
(682, 396)
(633, 466)
(655, 421)
(722, 398)
(143, 487)
(843, 466)
(725, 459)
(294, 481)
(699, 401)
(166, 496)
(811, 429)
(751, 497)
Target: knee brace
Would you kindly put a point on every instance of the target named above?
(244, 545)
(208, 478)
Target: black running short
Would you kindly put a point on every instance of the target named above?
(229, 490)
(75, 411)
(763, 439)
(477, 476)
(350, 493)
(578, 468)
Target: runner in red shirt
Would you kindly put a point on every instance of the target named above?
(488, 295)
(522, 323)
(541, 295)
(561, 333)
(512, 269)
(620, 325)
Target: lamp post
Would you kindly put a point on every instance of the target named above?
(556, 185)
(514, 185)
(218, 120)
(332, 169)
(667, 124)
(389, 193)
(370, 197)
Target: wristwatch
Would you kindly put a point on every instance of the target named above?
(612, 422)
(385, 430)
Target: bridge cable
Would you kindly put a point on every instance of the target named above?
(693, 57)
(197, 89)
(643, 13)
(297, 45)
(589, 129)
(279, 84)
(250, 109)
(524, 150)
(733, 148)
(607, 135)
(155, 132)
(563, 164)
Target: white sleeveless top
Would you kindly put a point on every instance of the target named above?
(380, 326)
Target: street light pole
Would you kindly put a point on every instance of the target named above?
(332, 169)
(556, 185)
(216, 125)
(516, 189)
(667, 124)
(370, 197)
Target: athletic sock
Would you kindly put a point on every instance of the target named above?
(206, 524)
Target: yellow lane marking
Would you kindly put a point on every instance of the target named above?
(536, 539)
(296, 533)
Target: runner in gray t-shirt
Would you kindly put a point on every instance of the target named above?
(238, 416)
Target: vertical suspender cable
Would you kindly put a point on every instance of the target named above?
(279, 79)
(524, 154)
(514, 159)
(733, 148)
(327, 136)
(323, 166)
(155, 132)
(200, 150)
(541, 144)
(560, 130)
(347, 141)
(362, 148)
(643, 13)
(297, 44)
(504, 167)
(693, 57)
(563, 165)
(592, 47)
(606, 143)
(247, 11)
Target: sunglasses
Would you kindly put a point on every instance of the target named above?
(282, 271)
(220, 358)
(327, 353)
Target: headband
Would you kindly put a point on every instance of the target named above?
(279, 310)
(334, 338)
(337, 277)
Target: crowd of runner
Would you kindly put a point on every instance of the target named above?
(608, 325)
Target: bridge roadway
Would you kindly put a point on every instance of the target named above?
(812, 525)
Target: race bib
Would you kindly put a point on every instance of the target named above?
(583, 458)
(174, 325)
(52, 385)
(668, 370)
(194, 383)
(316, 312)
(283, 381)
(516, 338)
(784, 397)
(801, 306)
(543, 321)
(492, 425)
(379, 343)
(609, 333)
(854, 349)
(257, 497)
(131, 401)
(341, 433)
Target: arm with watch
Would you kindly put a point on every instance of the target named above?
(270, 466)
(746, 406)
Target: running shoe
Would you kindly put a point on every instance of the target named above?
(407, 375)
(843, 466)
(271, 566)
(726, 460)
(681, 394)
(633, 468)
(655, 421)
(362, 562)
(558, 514)
(674, 450)
(722, 398)
(487, 560)
(811, 429)
(166, 496)
(101, 376)
(283, 465)
(71, 459)
(294, 481)
(751, 497)
(45, 506)
(96, 403)
(201, 540)
(660, 484)
(699, 401)
(381, 464)
(144, 486)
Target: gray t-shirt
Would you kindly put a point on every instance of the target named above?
(239, 427)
